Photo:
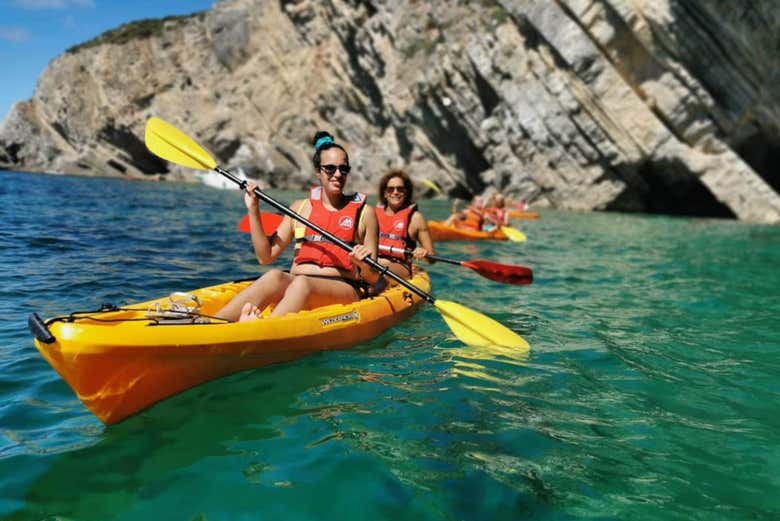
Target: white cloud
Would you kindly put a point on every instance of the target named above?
(53, 4)
(14, 34)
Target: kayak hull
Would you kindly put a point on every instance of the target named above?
(442, 232)
(517, 214)
(123, 366)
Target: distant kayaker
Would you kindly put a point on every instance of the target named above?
(495, 213)
(402, 227)
(471, 218)
(321, 273)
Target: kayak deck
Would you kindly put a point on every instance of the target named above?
(118, 362)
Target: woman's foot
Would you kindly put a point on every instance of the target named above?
(250, 312)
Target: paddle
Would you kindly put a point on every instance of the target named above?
(514, 234)
(506, 273)
(430, 184)
(469, 326)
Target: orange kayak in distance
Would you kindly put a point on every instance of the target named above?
(442, 232)
(121, 360)
(517, 214)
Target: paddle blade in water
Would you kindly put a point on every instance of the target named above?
(168, 142)
(507, 274)
(270, 222)
(514, 234)
(476, 329)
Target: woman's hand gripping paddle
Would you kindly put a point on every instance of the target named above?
(470, 327)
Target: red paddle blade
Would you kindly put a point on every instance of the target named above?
(270, 222)
(518, 275)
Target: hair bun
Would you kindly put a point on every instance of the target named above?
(324, 140)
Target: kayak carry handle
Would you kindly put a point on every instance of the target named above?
(39, 330)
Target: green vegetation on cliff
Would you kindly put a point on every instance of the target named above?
(136, 30)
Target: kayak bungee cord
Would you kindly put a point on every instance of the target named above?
(111, 308)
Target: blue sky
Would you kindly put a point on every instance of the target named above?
(33, 32)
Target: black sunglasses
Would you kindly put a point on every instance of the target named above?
(331, 169)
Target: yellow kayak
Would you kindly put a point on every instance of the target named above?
(119, 361)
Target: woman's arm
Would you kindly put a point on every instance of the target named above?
(367, 244)
(266, 250)
(418, 231)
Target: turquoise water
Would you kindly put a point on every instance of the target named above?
(650, 391)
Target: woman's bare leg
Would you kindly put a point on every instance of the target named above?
(265, 290)
(311, 292)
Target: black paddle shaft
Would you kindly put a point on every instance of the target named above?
(382, 270)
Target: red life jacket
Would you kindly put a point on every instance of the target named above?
(496, 213)
(474, 219)
(342, 223)
(394, 231)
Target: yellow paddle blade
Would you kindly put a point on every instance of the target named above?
(170, 143)
(430, 184)
(476, 329)
(514, 234)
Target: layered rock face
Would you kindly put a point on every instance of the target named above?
(665, 106)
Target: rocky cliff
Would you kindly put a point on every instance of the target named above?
(666, 106)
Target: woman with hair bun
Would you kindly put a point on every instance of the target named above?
(322, 273)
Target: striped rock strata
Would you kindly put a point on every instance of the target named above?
(629, 105)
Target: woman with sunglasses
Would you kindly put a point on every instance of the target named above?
(321, 273)
(402, 227)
